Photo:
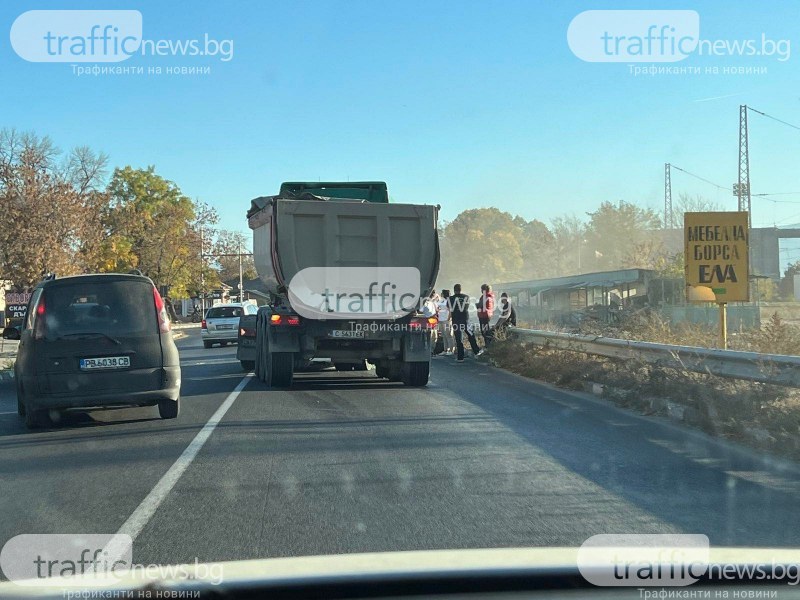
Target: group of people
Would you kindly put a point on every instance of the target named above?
(454, 324)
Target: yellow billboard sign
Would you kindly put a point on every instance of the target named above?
(716, 254)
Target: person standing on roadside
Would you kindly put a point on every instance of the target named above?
(445, 326)
(430, 307)
(485, 308)
(508, 315)
(459, 315)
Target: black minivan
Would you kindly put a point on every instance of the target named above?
(91, 341)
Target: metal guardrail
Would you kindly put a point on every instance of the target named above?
(777, 369)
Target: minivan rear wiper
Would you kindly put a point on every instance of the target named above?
(88, 335)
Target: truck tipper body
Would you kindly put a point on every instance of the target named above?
(346, 273)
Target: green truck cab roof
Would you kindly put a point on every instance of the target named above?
(371, 191)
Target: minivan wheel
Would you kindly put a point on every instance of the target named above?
(207, 345)
(35, 418)
(169, 409)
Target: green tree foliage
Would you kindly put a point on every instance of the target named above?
(151, 225)
(482, 244)
(489, 245)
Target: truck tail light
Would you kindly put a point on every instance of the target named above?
(247, 332)
(290, 320)
(421, 323)
(203, 324)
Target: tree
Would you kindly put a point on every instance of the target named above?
(538, 249)
(614, 230)
(685, 203)
(227, 245)
(481, 245)
(50, 209)
(152, 225)
(569, 246)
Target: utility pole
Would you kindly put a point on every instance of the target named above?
(202, 273)
(241, 278)
(742, 189)
(669, 217)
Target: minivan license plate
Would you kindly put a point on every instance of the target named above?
(106, 362)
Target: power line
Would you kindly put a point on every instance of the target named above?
(777, 201)
(698, 177)
(779, 194)
(763, 114)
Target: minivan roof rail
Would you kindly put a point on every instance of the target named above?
(135, 272)
(49, 277)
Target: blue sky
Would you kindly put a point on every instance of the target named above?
(463, 104)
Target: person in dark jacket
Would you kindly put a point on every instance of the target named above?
(508, 315)
(459, 315)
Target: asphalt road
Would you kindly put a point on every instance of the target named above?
(345, 463)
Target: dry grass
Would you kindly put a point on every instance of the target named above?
(762, 416)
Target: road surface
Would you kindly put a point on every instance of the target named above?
(349, 463)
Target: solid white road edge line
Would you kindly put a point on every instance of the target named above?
(131, 528)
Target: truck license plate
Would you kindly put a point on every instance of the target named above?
(347, 333)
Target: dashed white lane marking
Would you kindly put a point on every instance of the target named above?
(145, 511)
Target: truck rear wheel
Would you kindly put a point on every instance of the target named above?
(416, 374)
(280, 369)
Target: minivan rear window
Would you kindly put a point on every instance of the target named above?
(224, 312)
(115, 308)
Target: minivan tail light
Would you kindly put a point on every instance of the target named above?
(39, 329)
(161, 312)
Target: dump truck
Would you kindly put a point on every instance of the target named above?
(347, 273)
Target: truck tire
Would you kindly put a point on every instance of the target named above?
(280, 369)
(248, 365)
(394, 370)
(207, 345)
(416, 374)
(259, 366)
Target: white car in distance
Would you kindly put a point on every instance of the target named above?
(221, 322)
